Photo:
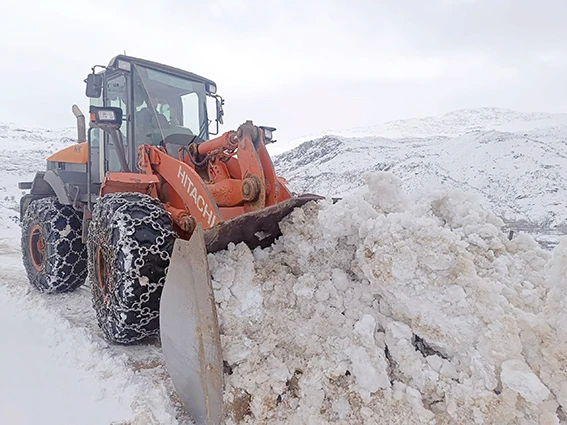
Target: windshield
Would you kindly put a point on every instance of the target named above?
(168, 108)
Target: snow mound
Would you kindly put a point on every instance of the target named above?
(393, 308)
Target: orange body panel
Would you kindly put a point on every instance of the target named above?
(283, 192)
(184, 180)
(233, 168)
(275, 190)
(77, 154)
(129, 182)
(231, 212)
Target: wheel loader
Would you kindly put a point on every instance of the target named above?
(135, 206)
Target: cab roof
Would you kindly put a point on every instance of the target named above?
(160, 67)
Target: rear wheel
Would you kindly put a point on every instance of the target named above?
(54, 255)
(130, 240)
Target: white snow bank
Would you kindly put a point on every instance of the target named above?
(389, 308)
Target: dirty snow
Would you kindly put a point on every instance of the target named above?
(394, 308)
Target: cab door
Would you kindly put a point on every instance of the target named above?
(116, 93)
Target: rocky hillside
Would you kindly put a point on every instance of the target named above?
(515, 162)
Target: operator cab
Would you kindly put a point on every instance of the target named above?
(161, 105)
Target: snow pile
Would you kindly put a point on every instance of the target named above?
(386, 308)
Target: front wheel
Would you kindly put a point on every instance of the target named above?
(130, 241)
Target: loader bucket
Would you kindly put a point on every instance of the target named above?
(189, 329)
(257, 228)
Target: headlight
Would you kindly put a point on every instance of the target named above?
(126, 66)
(106, 116)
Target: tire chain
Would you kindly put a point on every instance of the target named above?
(65, 267)
(116, 213)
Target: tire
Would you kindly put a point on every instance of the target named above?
(130, 241)
(54, 256)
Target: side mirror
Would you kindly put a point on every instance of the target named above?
(94, 85)
(217, 107)
(220, 112)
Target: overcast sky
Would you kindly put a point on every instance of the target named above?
(302, 66)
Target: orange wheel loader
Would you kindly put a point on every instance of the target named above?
(139, 201)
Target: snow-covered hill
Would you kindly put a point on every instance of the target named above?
(515, 162)
(463, 121)
(23, 152)
(451, 124)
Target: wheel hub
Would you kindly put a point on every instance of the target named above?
(37, 247)
(102, 272)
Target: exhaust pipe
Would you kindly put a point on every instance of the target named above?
(81, 125)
